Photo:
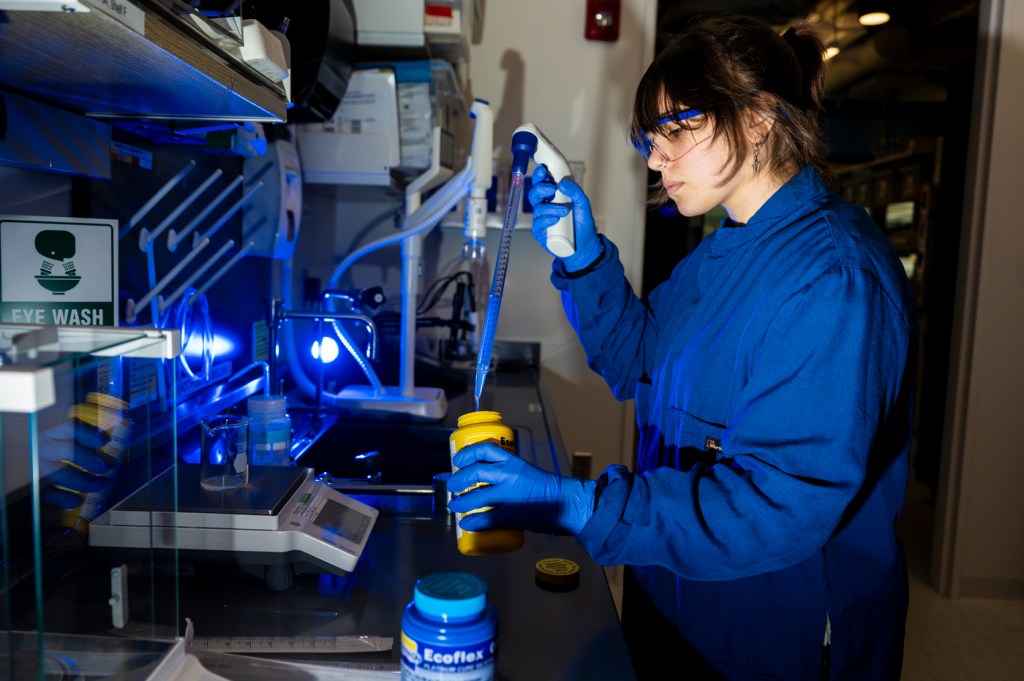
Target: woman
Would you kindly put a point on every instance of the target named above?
(773, 379)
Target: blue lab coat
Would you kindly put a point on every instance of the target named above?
(773, 380)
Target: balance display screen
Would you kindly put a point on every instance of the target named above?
(342, 521)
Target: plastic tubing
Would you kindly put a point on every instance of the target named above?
(422, 220)
(360, 358)
(182, 316)
(266, 374)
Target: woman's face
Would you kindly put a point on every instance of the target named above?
(694, 164)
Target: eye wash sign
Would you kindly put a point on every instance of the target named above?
(58, 271)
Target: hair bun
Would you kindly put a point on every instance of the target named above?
(810, 54)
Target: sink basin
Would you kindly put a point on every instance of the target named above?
(381, 455)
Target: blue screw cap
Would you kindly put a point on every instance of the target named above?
(450, 594)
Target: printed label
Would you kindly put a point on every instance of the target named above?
(269, 453)
(430, 662)
(126, 153)
(58, 271)
(124, 11)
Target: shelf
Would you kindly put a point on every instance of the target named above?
(143, 65)
(31, 354)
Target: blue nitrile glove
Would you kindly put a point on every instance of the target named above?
(520, 494)
(546, 214)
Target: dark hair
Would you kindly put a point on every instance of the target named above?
(731, 67)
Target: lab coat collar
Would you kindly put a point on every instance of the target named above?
(790, 202)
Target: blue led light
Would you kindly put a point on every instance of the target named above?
(222, 345)
(330, 350)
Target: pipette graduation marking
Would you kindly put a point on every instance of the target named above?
(483, 359)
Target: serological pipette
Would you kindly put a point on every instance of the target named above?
(527, 142)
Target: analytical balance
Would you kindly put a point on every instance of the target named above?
(283, 519)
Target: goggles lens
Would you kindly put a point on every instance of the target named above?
(646, 145)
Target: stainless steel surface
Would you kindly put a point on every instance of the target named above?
(361, 454)
(372, 457)
(268, 489)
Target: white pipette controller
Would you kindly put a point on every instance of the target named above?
(561, 237)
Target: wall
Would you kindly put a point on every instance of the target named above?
(980, 515)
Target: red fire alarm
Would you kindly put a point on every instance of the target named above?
(603, 18)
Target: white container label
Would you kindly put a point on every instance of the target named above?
(431, 662)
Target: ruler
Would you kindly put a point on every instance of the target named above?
(363, 666)
(292, 644)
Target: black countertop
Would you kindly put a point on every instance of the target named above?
(543, 634)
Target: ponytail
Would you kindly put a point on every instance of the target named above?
(808, 48)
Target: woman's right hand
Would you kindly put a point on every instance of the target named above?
(547, 214)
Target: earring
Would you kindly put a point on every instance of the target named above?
(757, 154)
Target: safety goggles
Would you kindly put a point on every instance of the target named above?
(646, 144)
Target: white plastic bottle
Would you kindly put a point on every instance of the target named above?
(270, 433)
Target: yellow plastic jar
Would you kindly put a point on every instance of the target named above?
(474, 427)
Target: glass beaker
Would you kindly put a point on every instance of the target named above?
(223, 463)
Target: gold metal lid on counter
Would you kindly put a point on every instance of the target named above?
(560, 574)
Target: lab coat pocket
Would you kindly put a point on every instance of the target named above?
(697, 433)
(694, 439)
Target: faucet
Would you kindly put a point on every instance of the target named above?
(277, 315)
